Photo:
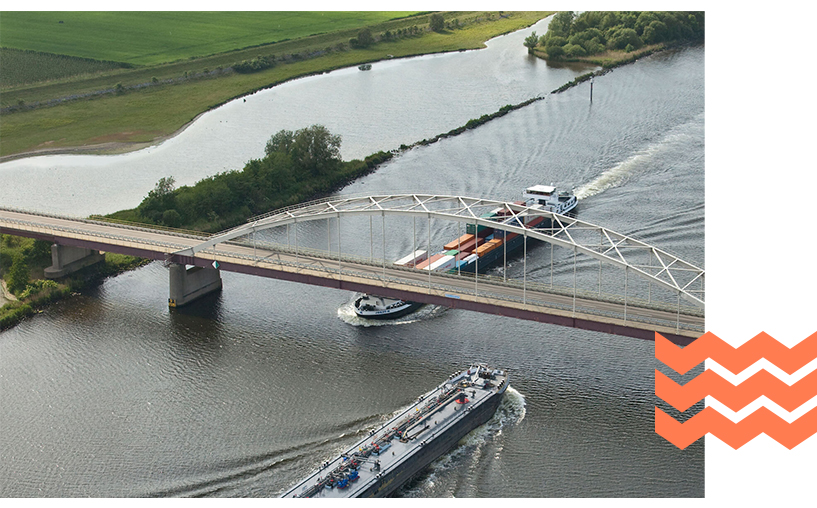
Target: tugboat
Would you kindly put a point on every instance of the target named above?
(390, 455)
(479, 249)
(379, 307)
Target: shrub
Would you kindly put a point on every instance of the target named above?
(365, 37)
(171, 218)
(593, 47)
(619, 38)
(555, 40)
(574, 50)
(17, 276)
(436, 22)
(555, 51)
(257, 64)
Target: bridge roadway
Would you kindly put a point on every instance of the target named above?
(561, 306)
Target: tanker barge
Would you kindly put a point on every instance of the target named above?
(478, 250)
(380, 463)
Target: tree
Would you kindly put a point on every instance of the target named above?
(436, 22)
(18, 274)
(280, 142)
(171, 218)
(620, 38)
(364, 38)
(531, 41)
(555, 51)
(158, 200)
(164, 186)
(561, 23)
(316, 150)
(656, 31)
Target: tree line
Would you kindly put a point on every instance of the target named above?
(297, 166)
(594, 32)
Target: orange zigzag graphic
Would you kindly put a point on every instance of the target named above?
(709, 345)
(735, 434)
(736, 397)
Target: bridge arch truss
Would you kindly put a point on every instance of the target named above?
(609, 247)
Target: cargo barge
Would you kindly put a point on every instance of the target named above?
(390, 455)
(480, 248)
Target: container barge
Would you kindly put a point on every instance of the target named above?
(480, 248)
(390, 455)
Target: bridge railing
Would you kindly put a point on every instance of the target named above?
(49, 228)
(531, 285)
(98, 219)
(483, 284)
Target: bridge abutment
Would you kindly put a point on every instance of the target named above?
(66, 260)
(189, 284)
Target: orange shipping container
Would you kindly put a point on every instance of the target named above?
(458, 242)
(486, 248)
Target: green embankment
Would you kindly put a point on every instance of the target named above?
(149, 114)
(22, 261)
(151, 38)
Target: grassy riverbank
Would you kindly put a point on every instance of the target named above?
(132, 107)
(22, 261)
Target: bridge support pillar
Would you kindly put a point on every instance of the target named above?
(67, 260)
(187, 285)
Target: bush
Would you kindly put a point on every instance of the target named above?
(17, 276)
(620, 38)
(555, 40)
(437, 22)
(37, 286)
(171, 218)
(574, 50)
(555, 51)
(531, 41)
(593, 47)
(257, 64)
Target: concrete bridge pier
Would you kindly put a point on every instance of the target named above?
(189, 284)
(67, 260)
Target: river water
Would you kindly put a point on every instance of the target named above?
(111, 394)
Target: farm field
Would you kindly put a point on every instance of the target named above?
(127, 108)
(150, 38)
(23, 66)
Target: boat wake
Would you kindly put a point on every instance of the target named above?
(346, 313)
(470, 449)
(643, 160)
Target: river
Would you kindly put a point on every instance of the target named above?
(110, 393)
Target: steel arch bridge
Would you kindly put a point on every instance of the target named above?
(641, 259)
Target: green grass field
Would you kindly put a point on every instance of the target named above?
(149, 114)
(149, 38)
(22, 67)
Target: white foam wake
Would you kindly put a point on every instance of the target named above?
(510, 412)
(641, 161)
(346, 313)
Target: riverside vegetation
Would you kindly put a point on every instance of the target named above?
(138, 104)
(613, 38)
(22, 261)
(297, 166)
(288, 173)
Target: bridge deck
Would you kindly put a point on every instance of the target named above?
(509, 299)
